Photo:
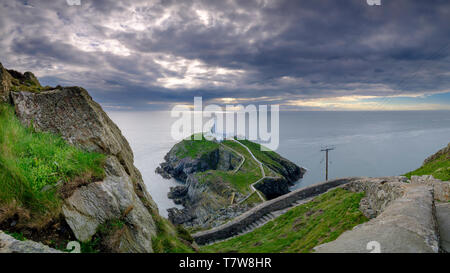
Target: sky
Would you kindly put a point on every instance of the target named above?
(302, 55)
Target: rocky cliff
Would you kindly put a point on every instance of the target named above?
(72, 113)
(217, 179)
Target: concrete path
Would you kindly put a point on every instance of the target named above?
(407, 225)
(443, 219)
(263, 173)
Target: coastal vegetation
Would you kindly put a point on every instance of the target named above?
(302, 228)
(32, 164)
(437, 165)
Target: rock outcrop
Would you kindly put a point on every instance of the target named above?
(379, 192)
(5, 84)
(272, 187)
(181, 168)
(405, 224)
(10, 245)
(441, 188)
(71, 113)
(200, 200)
(441, 152)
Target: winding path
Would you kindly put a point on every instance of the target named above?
(263, 173)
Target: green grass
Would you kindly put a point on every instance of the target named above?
(240, 180)
(266, 157)
(438, 168)
(169, 239)
(253, 199)
(30, 160)
(17, 235)
(247, 174)
(302, 228)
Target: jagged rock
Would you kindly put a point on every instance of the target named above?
(5, 84)
(10, 245)
(71, 113)
(92, 205)
(177, 216)
(380, 192)
(180, 168)
(290, 171)
(273, 187)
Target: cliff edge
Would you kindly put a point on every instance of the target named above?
(121, 196)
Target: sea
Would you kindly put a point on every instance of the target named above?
(372, 143)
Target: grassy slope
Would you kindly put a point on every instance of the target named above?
(195, 148)
(439, 168)
(247, 174)
(264, 156)
(30, 160)
(302, 228)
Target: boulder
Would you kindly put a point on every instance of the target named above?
(94, 204)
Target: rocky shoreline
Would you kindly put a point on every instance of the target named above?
(207, 203)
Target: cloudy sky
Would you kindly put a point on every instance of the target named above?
(303, 55)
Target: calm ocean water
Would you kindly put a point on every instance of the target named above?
(367, 143)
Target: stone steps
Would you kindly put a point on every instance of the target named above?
(269, 210)
(264, 220)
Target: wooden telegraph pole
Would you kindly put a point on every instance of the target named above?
(326, 156)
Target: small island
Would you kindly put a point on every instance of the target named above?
(223, 178)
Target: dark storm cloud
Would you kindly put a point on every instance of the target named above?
(141, 53)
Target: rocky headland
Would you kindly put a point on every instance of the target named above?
(222, 180)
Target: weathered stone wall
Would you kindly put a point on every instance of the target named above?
(407, 225)
(441, 188)
(379, 193)
(233, 227)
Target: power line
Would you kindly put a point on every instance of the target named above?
(326, 150)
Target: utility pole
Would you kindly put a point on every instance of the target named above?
(326, 155)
